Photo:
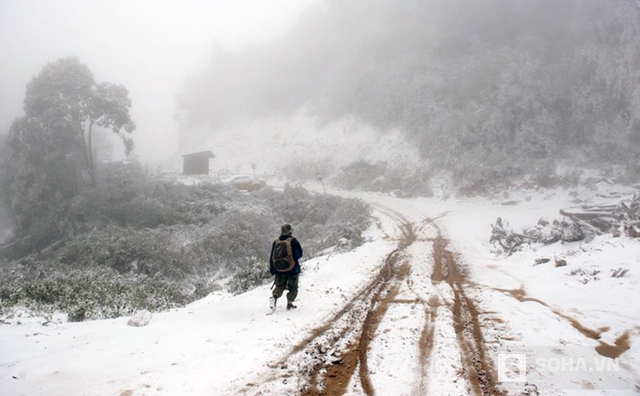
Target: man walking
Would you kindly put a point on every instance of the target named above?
(283, 263)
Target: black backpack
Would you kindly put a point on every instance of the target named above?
(282, 258)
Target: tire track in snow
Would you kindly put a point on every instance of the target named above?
(325, 361)
(479, 369)
(418, 292)
(334, 379)
(336, 355)
(338, 377)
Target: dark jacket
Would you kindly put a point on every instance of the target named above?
(297, 253)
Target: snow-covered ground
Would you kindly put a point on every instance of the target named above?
(425, 306)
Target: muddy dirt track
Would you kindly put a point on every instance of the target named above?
(418, 299)
(480, 371)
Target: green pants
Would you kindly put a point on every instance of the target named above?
(286, 282)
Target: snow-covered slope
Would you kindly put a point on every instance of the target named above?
(424, 307)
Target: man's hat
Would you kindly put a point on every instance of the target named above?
(286, 229)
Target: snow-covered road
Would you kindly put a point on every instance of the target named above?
(424, 307)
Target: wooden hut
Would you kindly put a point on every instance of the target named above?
(197, 163)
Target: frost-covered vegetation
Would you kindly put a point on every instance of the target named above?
(102, 241)
(382, 177)
(137, 242)
(489, 91)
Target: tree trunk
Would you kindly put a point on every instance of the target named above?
(89, 154)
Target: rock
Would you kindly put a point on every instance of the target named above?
(560, 262)
(549, 235)
(140, 319)
(541, 260)
(572, 232)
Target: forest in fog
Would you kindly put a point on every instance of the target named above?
(490, 90)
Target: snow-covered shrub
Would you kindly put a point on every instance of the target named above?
(238, 235)
(319, 220)
(249, 277)
(140, 319)
(203, 286)
(105, 268)
(585, 276)
(619, 273)
(90, 293)
(382, 177)
(304, 169)
(126, 196)
(148, 251)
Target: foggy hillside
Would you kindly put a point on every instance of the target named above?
(490, 91)
(462, 175)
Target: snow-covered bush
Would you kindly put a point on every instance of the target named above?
(108, 266)
(91, 293)
(382, 177)
(319, 220)
(304, 169)
(248, 277)
(238, 235)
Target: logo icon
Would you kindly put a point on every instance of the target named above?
(512, 367)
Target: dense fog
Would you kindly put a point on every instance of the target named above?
(295, 112)
(152, 153)
(486, 93)
(518, 84)
(147, 46)
(513, 86)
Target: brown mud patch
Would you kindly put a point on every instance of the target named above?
(479, 370)
(621, 345)
(521, 295)
(585, 331)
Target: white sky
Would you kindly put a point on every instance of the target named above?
(149, 46)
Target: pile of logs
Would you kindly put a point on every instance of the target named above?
(579, 223)
(508, 240)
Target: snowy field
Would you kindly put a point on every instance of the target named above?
(426, 306)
